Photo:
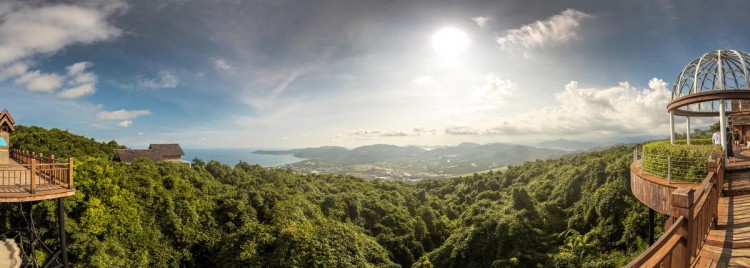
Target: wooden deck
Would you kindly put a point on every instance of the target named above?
(728, 245)
(40, 179)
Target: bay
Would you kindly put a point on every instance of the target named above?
(232, 156)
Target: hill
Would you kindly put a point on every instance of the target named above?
(412, 163)
(575, 211)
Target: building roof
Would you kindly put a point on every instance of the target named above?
(6, 119)
(129, 155)
(169, 149)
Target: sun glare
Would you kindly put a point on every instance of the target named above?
(449, 42)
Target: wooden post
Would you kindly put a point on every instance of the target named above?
(651, 226)
(33, 175)
(52, 172)
(61, 227)
(713, 166)
(682, 200)
(70, 173)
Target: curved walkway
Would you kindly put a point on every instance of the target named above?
(728, 245)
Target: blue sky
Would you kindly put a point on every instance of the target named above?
(282, 74)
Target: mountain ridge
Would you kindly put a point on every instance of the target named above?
(391, 162)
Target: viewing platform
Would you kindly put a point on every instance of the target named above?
(32, 177)
(710, 224)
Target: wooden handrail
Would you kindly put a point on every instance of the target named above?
(654, 255)
(696, 212)
(37, 172)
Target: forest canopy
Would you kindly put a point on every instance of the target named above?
(574, 211)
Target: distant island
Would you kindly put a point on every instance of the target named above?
(411, 163)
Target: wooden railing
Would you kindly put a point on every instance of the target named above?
(36, 173)
(694, 213)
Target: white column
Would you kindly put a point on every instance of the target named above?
(671, 127)
(723, 125)
(687, 132)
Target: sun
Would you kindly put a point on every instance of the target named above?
(449, 41)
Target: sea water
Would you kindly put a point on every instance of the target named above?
(233, 156)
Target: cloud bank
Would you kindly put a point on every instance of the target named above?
(27, 29)
(372, 133)
(617, 110)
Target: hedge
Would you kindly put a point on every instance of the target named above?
(688, 162)
(695, 142)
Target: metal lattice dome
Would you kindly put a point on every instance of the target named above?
(714, 76)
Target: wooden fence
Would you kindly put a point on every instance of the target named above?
(694, 213)
(35, 172)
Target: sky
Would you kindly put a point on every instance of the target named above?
(289, 74)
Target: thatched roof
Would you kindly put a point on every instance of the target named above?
(170, 149)
(156, 152)
(130, 155)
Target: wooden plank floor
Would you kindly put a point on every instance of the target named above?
(728, 245)
(741, 159)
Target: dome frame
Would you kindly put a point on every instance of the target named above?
(716, 76)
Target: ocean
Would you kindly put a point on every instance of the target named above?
(233, 156)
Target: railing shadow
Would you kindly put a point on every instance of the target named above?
(726, 251)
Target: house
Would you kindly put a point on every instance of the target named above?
(169, 152)
(157, 152)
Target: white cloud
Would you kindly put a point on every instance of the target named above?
(495, 89)
(14, 70)
(125, 123)
(420, 131)
(461, 130)
(37, 81)
(79, 91)
(369, 133)
(558, 29)
(618, 110)
(221, 64)
(83, 78)
(166, 80)
(121, 114)
(81, 83)
(424, 81)
(394, 133)
(481, 21)
(30, 28)
(78, 68)
(27, 29)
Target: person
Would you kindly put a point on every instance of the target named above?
(730, 152)
(716, 138)
(736, 138)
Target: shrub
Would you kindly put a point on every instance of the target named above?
(695, 142)
(688, 162)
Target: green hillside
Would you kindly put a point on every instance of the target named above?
(575, 211)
